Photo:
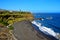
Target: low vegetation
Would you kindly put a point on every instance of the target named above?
(9, 17)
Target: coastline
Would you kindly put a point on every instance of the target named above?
(43, 34)
(25, 31)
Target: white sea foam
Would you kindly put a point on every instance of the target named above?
(46, 30)
(49, 18)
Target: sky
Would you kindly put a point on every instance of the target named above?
(31, 5)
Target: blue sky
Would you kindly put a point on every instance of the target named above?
(31, 5)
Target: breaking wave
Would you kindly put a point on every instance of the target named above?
(45, 30)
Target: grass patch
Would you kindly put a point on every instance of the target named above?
(11, 27)
(3, 22)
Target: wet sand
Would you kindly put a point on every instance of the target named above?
(24, 31)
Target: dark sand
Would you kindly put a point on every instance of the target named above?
(24, 31)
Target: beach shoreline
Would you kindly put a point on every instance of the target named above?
(25, 31)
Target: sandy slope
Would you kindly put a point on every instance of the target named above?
(24, 31)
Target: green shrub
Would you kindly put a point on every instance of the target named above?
(11, 27)
(4, 22)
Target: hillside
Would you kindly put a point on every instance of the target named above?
(14, 16)
(7, 19)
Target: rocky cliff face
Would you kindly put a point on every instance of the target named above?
(4, 33)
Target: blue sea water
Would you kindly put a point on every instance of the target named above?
(51, 20)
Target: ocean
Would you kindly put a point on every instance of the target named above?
(49, 25)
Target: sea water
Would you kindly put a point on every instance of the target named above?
(50, 25)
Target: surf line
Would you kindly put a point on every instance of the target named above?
(45, 30)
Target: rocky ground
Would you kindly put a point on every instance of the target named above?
(24, 31)
(5, 33)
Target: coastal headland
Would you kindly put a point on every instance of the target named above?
(16, 25)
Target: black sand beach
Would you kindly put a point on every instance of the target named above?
(24, 31)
